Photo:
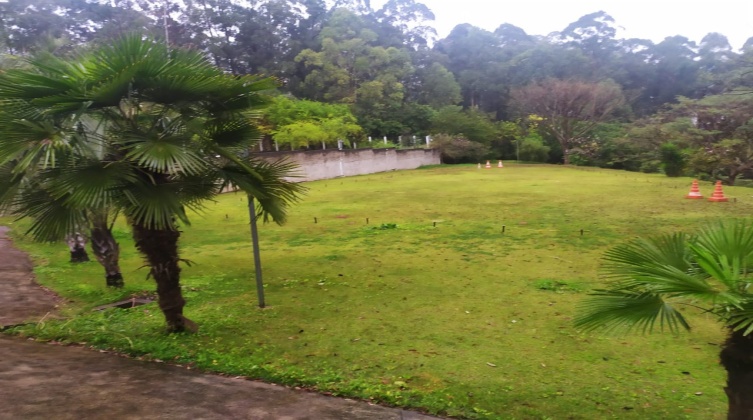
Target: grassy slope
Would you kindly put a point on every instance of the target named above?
(458, 319)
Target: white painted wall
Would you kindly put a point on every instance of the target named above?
(326, 164)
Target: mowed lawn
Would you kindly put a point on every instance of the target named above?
(402, 287)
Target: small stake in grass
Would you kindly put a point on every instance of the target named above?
(315, 221)
(367, 220)
(581, 232)
(503, 228)
(435, 224)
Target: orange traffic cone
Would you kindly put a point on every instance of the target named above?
(488, 165)
(718, 194)
(694, 192)
(500, 165)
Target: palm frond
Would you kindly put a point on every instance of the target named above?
(236, 134)
(659, 264)
(153, 205)
(164, 154)
(132, 127)
(90, 184)
(741, 318)
(712, 267)
(725, 251)
(52, 218)
(616, 310)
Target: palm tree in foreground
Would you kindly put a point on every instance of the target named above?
(141, 130)
(654, 280)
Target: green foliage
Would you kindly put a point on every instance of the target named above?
(130, 127)
(532, 148)
(715, 135)
(349, 68)
(672, 159)
(652, 280)
(559, 286)
(301, 123)
(572, 110)
(458, 149)
(650, 166)
(438, 87)
(470, 123)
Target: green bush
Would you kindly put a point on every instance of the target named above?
(532, 149)
(672, 159)
(458, 149)
(651, 166)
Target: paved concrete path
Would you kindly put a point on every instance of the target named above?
(47, 381)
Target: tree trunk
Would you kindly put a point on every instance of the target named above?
(737, 359)
(77, 245)
(160, 248)
(106, 249)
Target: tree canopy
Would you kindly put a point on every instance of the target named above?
(387, 65)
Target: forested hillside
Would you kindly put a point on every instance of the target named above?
(348, 72)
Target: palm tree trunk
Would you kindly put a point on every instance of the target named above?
(106, 249)
(160, 248)
(77, 246)
(737, 359)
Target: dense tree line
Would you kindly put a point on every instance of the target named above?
(386, 74)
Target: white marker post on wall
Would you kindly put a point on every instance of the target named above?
(385, 139)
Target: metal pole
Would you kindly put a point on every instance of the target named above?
(257, 255)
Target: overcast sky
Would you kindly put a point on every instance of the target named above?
(654, 19)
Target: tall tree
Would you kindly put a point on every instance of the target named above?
(571, 109)
(475, 59)
(171, 133)
(722, 134)
(655, 281)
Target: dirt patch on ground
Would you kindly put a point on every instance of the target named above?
(21, 298)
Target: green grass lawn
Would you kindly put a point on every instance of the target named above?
(428, 305)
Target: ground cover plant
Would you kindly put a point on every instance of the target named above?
(448, 289)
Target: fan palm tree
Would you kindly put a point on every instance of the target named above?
(16, 189)
(656, 280)
(139, 129)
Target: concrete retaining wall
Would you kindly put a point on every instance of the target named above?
(326, 164)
